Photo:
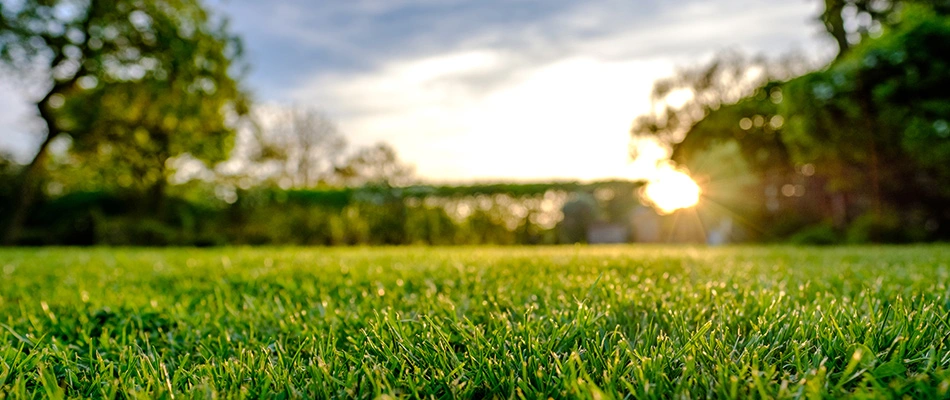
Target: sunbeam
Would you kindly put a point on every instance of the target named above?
(671, 190)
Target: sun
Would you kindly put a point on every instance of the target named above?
(671, 190)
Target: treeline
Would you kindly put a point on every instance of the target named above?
(369, 215)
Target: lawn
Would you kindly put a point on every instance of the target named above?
(508, 322)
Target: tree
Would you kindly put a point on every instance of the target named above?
(299, 146)
(681, 101)
(377, 169)
(579, 214)
(850, 22)
(148, 79)
(374, 165)
(8, 171)
(866, 135)
(876, 121)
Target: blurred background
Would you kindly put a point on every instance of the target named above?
(202, 123)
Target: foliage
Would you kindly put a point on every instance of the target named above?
(821, 234)
(131, 83)
(145, 78)
(874, 124)
(302, 148)
(736, 153)
(293, 147)
(850, 22)
(873, 228)
(864, 135)
(374, 165)
(691, 95)
(518, 189)
(570, 322)
(580, 212)
(8, 172)
(679, 102)
(369, 215)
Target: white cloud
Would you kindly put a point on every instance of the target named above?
(556, 108)
(692, 30)
(481, 96)
(452, 118)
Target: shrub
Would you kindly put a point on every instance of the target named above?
(822, 234)
(884, 227)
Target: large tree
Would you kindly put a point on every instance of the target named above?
(141, 81)
(721, 120)
(878, 119)
(865, 135)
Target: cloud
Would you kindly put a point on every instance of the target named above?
(483, 114)
(477, 90)
(553, 100)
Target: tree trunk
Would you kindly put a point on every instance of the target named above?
(834, 24)
(156, 200)
(26, 189)
(24, 194)
(27, 186)
(871, 137)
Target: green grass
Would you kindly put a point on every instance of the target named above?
(596, 322)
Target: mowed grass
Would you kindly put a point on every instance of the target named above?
(505, 322)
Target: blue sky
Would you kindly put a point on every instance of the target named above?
(485, 90)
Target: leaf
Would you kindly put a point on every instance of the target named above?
(888, 369)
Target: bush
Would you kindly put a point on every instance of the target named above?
(877, 228)
(130, 231)
(822, 234)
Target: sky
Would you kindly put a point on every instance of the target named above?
(513, 90)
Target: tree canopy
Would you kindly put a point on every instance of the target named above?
(131, 83)
(862, 141)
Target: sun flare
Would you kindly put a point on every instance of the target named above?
(671, 190)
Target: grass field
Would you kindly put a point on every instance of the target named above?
(599, 322)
